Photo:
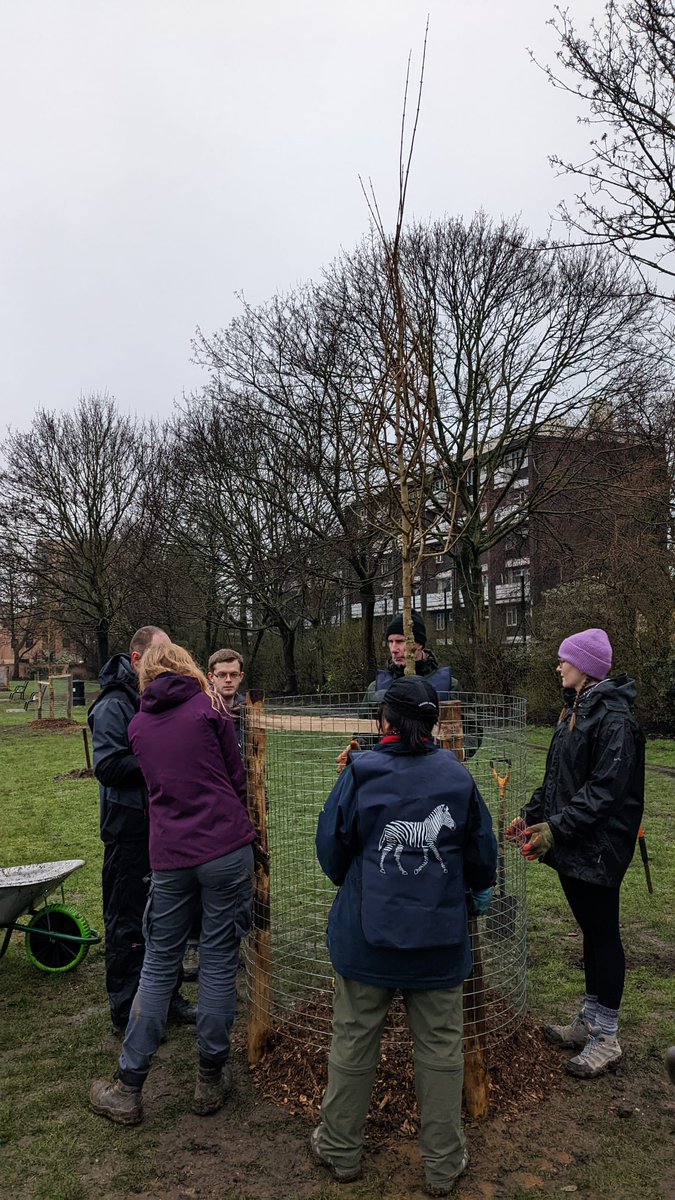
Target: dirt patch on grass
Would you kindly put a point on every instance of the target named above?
(603, 1140)
(53, 725)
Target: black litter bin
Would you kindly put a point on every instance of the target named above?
(79, 700)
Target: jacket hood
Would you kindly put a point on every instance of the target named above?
(118, 669)
(168, 691)
(619, 692)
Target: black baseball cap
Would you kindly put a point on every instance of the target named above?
(412, 696)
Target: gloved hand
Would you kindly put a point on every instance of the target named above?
(515, 832)
(540, 841)
(480, 901)
(343, 757)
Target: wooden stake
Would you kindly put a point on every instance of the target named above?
(69, 696)
(476, 1077)
(85, 738)
(260, 942)
(50, 684)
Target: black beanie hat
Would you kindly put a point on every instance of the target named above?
(395, 626)
(412, 696)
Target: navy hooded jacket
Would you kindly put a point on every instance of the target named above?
(404, 836)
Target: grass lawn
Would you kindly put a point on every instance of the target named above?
(607, 1140)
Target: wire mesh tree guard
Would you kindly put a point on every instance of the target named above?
(291, 746)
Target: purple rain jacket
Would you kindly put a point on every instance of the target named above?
(189, 756)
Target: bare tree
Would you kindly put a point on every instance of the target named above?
(242, 492)
(20, 609)
(504, 339)
(624, 71)
(76, 494)
(285, 368)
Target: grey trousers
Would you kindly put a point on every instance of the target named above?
(436, 1024)
(224, 888)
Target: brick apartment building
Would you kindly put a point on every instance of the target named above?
(572, 500)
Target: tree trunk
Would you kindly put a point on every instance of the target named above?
(470, 581)
(367, 597)
(288, 645)
(102, 642)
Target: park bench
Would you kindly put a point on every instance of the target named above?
(35, 696)
(18, 691)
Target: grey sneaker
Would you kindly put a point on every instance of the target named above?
(341, 1174)
(601, 1053)
(116, 1101)
(573, 1036)
(211, 1090)
(444, 1189)
(191, 962)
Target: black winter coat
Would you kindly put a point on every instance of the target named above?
(122, 790)
(593, 791)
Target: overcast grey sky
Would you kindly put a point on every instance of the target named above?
(160, 156)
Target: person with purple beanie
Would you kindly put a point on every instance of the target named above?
(583, 821)
(200, 852)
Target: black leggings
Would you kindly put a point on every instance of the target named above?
(596, 912)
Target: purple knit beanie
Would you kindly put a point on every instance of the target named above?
(589, 651)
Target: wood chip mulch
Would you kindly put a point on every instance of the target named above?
(524, 1068)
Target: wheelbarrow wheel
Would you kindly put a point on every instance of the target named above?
(55, 954)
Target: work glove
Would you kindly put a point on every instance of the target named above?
(516, 832)
(480, 901)
(343, 757)
(540, 841)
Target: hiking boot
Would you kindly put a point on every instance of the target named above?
(571, 1037)
(181, 1012)
(117, 1101)
(601, 1053)
(444, 1189)
(340, 1174)
(211, 1090)
(191, 962)
(670, 1063)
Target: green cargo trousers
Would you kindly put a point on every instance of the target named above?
(435, 1019)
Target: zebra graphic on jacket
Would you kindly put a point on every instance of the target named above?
(419, 835)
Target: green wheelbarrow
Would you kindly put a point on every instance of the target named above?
(57, 937)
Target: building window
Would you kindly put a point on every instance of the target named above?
(516, 460)
(512, 617)
(515, 574)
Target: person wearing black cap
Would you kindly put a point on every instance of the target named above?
(426, 663)
(403, 834)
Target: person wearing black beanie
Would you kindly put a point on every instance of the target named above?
(426, 663)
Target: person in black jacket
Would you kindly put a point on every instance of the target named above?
(124, 829)
(583, 821)
(405, 835)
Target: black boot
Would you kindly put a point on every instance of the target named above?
(181, 1012)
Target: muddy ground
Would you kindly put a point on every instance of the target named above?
(607, 1139)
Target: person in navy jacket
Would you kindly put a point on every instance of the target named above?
(404, 834)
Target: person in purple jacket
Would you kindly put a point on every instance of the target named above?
(200, 852)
